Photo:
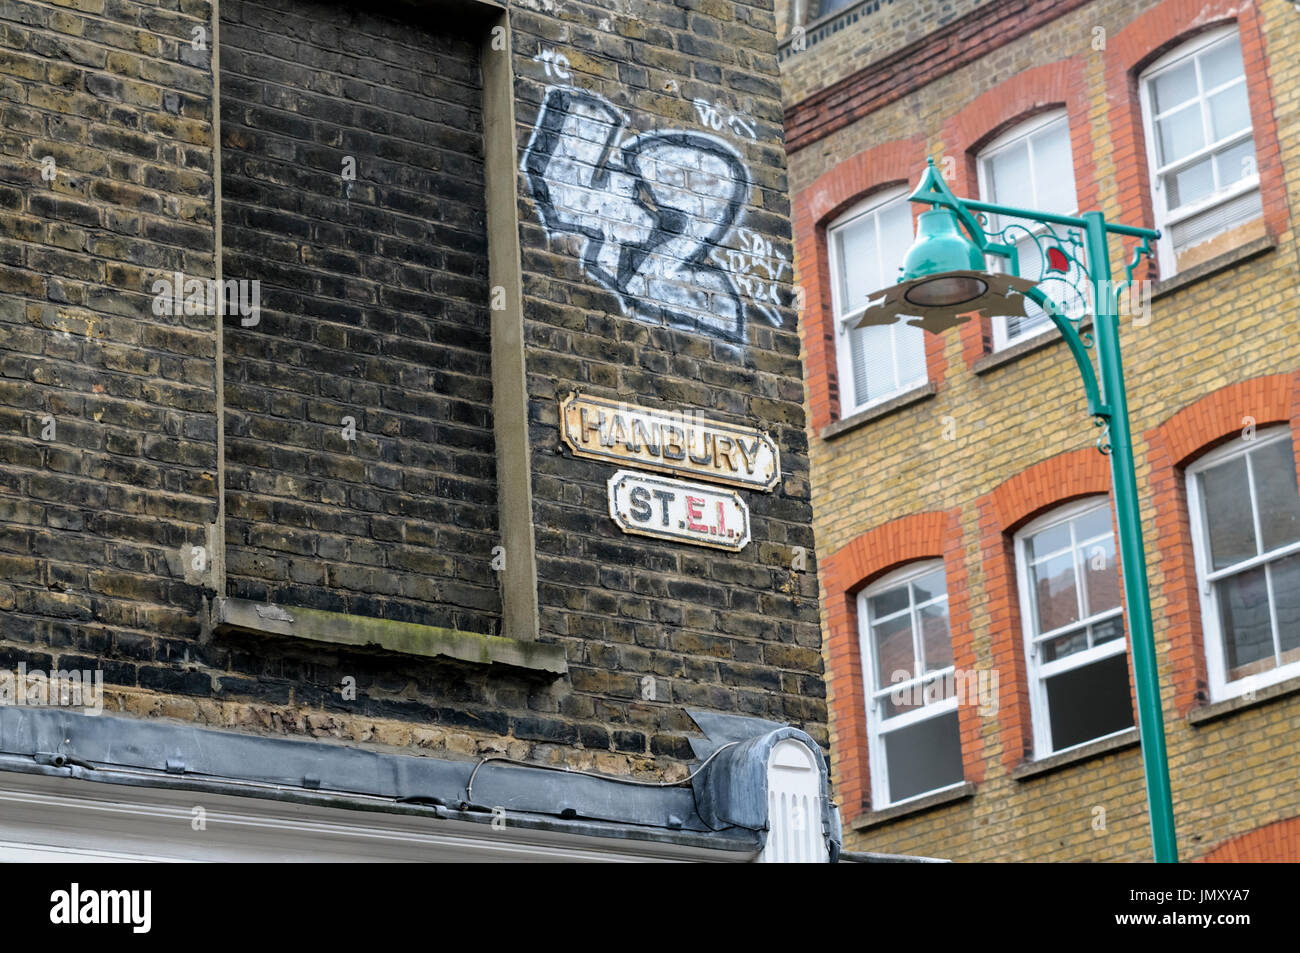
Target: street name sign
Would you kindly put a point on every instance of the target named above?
(681, 443)
(650, 505)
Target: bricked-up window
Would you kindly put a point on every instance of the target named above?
(867, 245)
(1200, 143)
(1031, 167)
(360, 472)
(1074, 627)
(915, 746)
(1245, 512)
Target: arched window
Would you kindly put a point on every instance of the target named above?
(1074, 626)
(1200, 143)
(867, 245)
(914, 744)
(1245, 513)
(1031, 167)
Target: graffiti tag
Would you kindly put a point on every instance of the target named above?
(555, 64)
(657, 214)
(717, 117)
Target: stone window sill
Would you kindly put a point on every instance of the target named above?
(862, 417)
(884, 816)
(1094, 749)
(406, 638)
(1215, 710)
(1205, 269)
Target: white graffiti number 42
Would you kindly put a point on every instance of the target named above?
(657, 214)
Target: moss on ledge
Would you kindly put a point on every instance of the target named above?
(406, 638)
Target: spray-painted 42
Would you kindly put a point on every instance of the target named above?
(658, 212)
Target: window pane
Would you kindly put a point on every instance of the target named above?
(888, 602)
(1191, 184)
(1108, 631)
(930, 586)
(1031, 267)
(936, 642)
(1054, 592)
(1031, 323)
(827, 7)
(1059, 648)
(902, 698)
(1180, 134)
(940, 687)
(1092, 524)
(1008, 174)
(1048, 541)
(871, 351)
(1054, 170)
(1173, 87)
(910, 342)
(1089, 702)
(1100, 576)
(1229, 111)
(1247, 629)
(1228, 519)
(895, 240)
(1236, 163)
(923, 757)
(893, 650)
(1276, 494)
(858, 262)
(1286, 596)
(1221, 63)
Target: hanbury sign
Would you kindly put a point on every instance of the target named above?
(671, 443)
(676, 510)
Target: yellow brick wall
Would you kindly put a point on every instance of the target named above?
(1229, 776)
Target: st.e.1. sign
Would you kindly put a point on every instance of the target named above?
(679, 511)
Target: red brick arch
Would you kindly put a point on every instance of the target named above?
(890, 163)
(1274, 843)
(929, 535)
(1197, 428)
(1145, 39)
(1056, 480)
(1050, 483)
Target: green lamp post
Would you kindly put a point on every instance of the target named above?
(945, 280)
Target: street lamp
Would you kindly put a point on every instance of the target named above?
(945, 280)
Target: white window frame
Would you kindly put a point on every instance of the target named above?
(1211, 629)
(1002, 143)
(843, 356)
(1165, 219)
(1036, 671)
(878, 727)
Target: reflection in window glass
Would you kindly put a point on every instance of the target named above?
(1247, 508)
(908, 661)
(1078, 665)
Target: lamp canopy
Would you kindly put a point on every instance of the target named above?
(944, 275)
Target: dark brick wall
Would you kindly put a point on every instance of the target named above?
(374, 306)
(727, 631)
(92, 520)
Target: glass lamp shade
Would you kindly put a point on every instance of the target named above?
(945, 291)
